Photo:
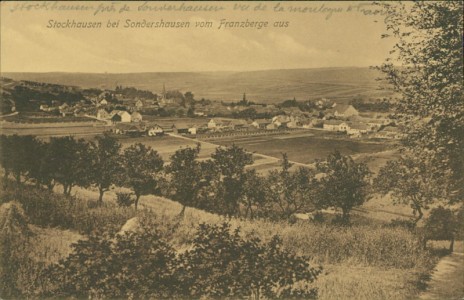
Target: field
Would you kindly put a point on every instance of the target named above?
(77, 129)
(341, 84)
(304, 147)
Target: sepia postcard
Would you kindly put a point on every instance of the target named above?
(231, 150)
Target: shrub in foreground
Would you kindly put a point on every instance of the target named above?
(222, 264)
(143, 265)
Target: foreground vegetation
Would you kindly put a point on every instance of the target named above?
(359, 261)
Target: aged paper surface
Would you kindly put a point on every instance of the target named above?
(222, 149)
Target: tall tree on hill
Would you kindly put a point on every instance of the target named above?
(344, 185)
(426, 69)
(231, 162)
(106, 163)
(142, 165)
(409, 182)
(254, 194)
(186, 176)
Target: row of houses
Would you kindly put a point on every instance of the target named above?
(357, 129)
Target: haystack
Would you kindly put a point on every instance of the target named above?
(13, 220)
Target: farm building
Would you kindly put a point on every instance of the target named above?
(343, 110)
(357, 129)
(221, 123)
(103, 102)
(139, 104)
(184, 128)
(136, 117)
(239, 124)
(332, 125)
(261, 123)
(155, 130)
(129, 129)
(281, 121)
(102, 114)
(389, 132)
(120, 116)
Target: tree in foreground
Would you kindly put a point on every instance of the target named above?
(125, 266)
(18, 155)
(426, 69)
(143, 265)
(344, 185)
(67, 161)
(186, 176)
(254, 194)
(408, 180)
(232, 161)
(291, 192)
(141, 165)
(106, 164)
(442, 224)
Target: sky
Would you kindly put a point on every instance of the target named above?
(319, 34)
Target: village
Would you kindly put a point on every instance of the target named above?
(177, 113)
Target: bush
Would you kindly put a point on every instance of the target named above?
(122, 266)
(222, 265)
(124, 199)
(143, 265)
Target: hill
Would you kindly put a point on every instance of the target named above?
(269, 86)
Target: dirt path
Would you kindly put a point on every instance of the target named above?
(447, 280)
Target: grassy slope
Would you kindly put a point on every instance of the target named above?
(262, 86)
(354, 266)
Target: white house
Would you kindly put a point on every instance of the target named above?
(343, 110)
(136, 117)
(102, 114)
(139, 104)
(332, 125)
(358, 129)
(120, 116)
(103, 102)
(220, 123)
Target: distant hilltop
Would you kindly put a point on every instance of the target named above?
(268, 86)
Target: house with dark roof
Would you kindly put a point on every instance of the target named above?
(120, 116)
(155, 130)
(261, 123)
(184, 128)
